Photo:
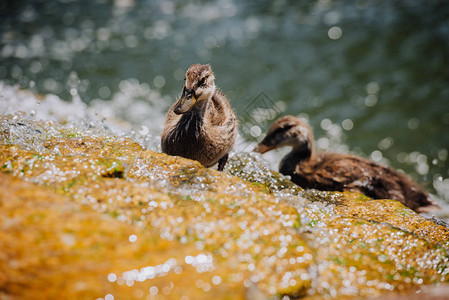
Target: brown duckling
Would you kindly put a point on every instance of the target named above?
(201, 124)
(338, 172)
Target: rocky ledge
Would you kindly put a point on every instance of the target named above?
(87, 215)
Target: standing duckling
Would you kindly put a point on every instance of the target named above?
(338, 172)
(201, 124)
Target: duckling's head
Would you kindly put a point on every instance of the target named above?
(199, 86)
(287, 131)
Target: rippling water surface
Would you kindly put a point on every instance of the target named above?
(370, 76)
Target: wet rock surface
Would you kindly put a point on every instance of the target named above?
(90, 215)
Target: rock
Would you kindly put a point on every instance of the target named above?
(87, 214)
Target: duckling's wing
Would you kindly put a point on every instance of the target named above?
(326, 171)
(220, 112)
(340, 172)
(338, 168)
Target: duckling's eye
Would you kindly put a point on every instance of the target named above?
(287, 127)
(202, 81)
(280, 130)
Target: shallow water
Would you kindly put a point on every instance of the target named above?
(370, 76)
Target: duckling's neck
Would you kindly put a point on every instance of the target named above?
(192, 121)
(299, 153)
(199, 108)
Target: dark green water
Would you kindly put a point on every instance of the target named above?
(372, 77)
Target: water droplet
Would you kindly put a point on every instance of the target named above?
(331, 17)
(370, 100)
(323, 143)
(347, 124)
(442, 154)
(206, 287)
(201, 259)
(216, 280)
(372, 88)
(159, 81)
(385, 143)
(325, 124)
(154, 290)
(144, 130)
(376, 155)
(178, 74)
(188, 259)
(109, 297)
(413, 123)
(255, 131)
(129, 282)
(132, 238)
(335, 33)
(112, 277)
(104, 92)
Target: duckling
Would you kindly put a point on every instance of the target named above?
(338, 172)
(201, 125)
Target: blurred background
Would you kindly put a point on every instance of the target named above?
(371, 77)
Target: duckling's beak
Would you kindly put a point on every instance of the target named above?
(185, 103)
(262, 148)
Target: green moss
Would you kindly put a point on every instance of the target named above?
(312, 223)
(111, 168)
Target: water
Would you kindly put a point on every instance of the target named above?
(370, 76)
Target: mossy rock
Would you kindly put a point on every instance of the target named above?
(87, 216)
